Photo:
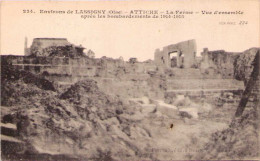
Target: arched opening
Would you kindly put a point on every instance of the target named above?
(174, 58)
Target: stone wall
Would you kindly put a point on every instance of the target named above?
(80, 67)
(186, 53)
(136, 78)
(218, 62)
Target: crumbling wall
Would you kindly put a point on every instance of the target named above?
(218, 62)
(59, 65)
(240, 139)
(62, 51)
(9, 75)
(80, 66)
(186, 48)
(39, 44)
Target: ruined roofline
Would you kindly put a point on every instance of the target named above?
(50, 38)
(182, 42)
(223, 52)
(178, 43)
(190, 40)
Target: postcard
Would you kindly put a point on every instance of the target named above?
(130, 80)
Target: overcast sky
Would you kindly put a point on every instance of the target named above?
(131, 37)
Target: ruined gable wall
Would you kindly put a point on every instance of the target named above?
(39, 44)
(187, 48)
(44, 43)
(159, 58)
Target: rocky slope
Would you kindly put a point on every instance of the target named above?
(83, 123)
(243, 64)
(241, 139)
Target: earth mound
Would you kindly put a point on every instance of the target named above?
(16, 83)
(90, 102)
(237, 141)
(81, 123)
(9, 74)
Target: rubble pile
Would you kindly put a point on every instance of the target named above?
(15, 83)
(9, 73)
(81, 123)
(89, 100)
(227, 98)
(63, 51)
(157, 85)
(84, 123)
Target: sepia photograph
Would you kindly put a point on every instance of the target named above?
(130, 80)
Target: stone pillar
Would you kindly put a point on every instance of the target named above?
(179, 60)
(166, 57)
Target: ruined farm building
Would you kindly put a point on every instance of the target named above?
(180, 55)
(40, 45)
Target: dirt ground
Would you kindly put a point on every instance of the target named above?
(84, 123)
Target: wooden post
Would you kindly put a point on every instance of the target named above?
(250, 85)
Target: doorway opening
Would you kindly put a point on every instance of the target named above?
(174, 58)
